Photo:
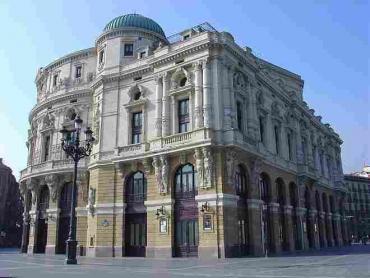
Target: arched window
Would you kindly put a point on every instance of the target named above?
(136, 187)
(240, 181)
(43, 203)
(185, 184)
(183, 81)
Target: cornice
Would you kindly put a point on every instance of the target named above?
(56, 99)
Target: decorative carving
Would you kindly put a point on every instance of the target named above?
(158, 172)
(48, 121)
(199, 165)
(81, 182)
(256, 171)
(52, 182)
(182, 158)
(147, 166)
(165, 172)
(230, 165)
(91, 200)
(31, 185)
(96, 120)
(208, 167)
(239, 81)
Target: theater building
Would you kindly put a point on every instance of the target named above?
(202, 150)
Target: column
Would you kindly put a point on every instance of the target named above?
(314, 228)
(301, 212)
(198, 119)
(206, 94)
(273, 209)
(174, 116)
(289, 228)
(255, 227)
(165, 107)
(299, 153)
(227, 87)
(322, 227)
(329, 229)
(269, 133)
(158, 105)
(26, 223)
(338, 230)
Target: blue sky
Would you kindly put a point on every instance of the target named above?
(326, 42)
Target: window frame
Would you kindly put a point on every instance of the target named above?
(126, 52)
(183, 119)
(136, 130)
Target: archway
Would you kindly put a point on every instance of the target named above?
(64, 218)
(241, 189)
(265, 196)
(319, 209)
(186, 212)
(281, 199)
(41, 224)
(135, 216)
(293, 194)
(309, 224)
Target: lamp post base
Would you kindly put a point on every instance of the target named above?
(71, 251)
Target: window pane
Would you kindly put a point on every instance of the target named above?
(184, 232)
(191, 233)
(196, 232)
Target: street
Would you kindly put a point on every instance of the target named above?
(351, 262)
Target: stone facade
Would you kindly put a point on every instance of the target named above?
(358, 204)
(203, 149)
(10, 209)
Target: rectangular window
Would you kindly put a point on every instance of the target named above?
(277, 139)
(137, 123)
(101, 56)
(128, 49)
(183, 115)
(55, 80)
(262, 130)
(78, 71)
(46, 148)
(289, 138)
(304, 150)
(239, 115)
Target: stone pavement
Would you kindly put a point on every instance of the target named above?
(351, 262)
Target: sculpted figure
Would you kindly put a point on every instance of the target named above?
(165, 172)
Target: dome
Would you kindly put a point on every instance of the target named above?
(134, 20)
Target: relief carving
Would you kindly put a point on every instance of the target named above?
(208, 167)
(52, 182)
(230, 165)
(199, 166)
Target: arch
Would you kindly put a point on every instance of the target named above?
(293, 198)
(135, 217)
(240, 180)
(41, 223)
(64, 204)
(282, 201)
(265, 187)
(185, 212)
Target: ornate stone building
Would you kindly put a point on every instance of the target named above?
(203, 149)
(358, 203)
(10, 209)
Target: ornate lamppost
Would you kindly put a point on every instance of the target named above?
(72, 146)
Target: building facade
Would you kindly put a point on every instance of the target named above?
(358, 204)
(10, 209)
(202, 149)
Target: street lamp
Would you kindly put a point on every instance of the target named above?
(71, 146)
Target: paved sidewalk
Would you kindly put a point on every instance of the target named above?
(351, 262)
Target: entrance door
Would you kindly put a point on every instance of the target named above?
(42, 235)
(135, 235)
(187, 238)
(63, 231)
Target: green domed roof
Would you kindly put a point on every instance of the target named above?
(134, 20)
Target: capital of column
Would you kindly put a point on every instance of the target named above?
(274, 207)
(288, 209)
(254, 203)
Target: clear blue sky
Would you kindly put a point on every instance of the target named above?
(326, 42)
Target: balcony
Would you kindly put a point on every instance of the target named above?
(57, 161)
(181, 140)
(132, 150)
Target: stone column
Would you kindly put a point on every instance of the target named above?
(26, 221)
(300, 214)
(273, 209)
(198, 119)
(337, 226)
(329, 229)
(289, 228)
(165, 107)
(255, 227)
(206, 94)
(158, 105)
(227, 87)
(314, 228)
(52, 181)
(299, 153)
(252, 111)
(174, 117)
(322, 227)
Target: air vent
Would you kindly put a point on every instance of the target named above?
(73, 101)
(138, 78)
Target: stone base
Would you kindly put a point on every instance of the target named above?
(50, 250)
(118, 251)
(209, 252)
(99, 251)
(30, 249)
(159, 252)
